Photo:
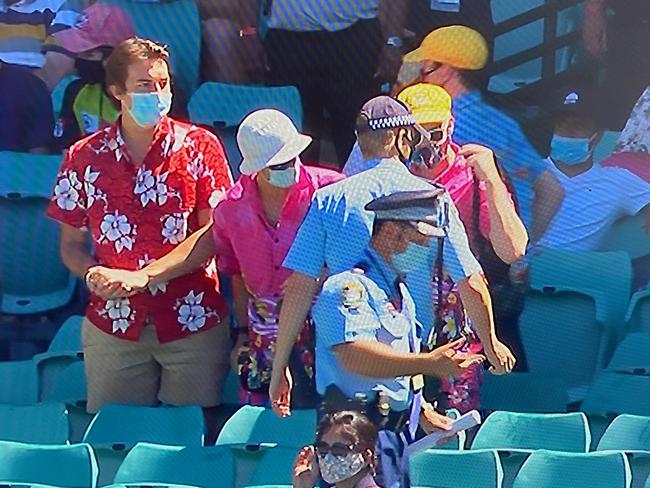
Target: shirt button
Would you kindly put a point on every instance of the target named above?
(276, 240)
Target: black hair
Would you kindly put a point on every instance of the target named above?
(355, 425)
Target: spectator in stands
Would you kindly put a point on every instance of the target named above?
(635, 136)
(87, 104)
(472, 179)
(27, 27)
(343, 456)
(617, 33)
(596, 195)
(337, 54)
(26, 111)
(140, 187)
(451, 57)
(268, 202)
(232, 50)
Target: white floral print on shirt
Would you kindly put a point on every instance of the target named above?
(155, 288)
(191, 314)
(174, 229)
(117, 229)
(92, 192)
(119, 312)
(151, 188)
(66, 191)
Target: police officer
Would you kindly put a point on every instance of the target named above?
(367, 338)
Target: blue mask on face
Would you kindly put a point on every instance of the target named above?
(282, 178)
(148, 108)
(414, 258)
(570, 150)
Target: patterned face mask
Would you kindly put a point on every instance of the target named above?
(334, 469)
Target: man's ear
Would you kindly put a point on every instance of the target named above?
(116, 92)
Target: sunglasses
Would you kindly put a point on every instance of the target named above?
(337, 449)
(283, 166)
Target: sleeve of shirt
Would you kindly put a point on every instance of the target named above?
(307, 253)
(342, 313)
(68, 203)
(355, 161)
(226, 257)
(458, 259)
(636, 191)
(38, 110)
(216, 177)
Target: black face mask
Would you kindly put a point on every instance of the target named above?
(90, 71)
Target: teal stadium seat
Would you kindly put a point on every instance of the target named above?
(606, 145)
(47, 466)
(456, 469)
(117, 428)
(155, 465)
(628, 234)
(571, 320)
(259, 426)
(631, 434)
(613, 394)
(223, 106)
(19, 381)
(274, 467)
(34, 279)
(632, 355)
(524, 392)
(45, 423)
(70, 388)
(549, 469)
(638, 313)
(516, 435)
(65, 349)
(176, 24)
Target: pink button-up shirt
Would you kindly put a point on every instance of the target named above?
(247, 244)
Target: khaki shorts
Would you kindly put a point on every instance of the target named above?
(189, 371)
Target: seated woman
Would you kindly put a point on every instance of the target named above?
(343, 456)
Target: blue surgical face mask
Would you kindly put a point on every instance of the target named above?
(570, 150)
(148, 108)
(414, 258)
(282, 178)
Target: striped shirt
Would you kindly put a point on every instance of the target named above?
(26, 28)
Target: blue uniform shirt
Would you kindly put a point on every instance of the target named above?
(337, 228)
(355, 306)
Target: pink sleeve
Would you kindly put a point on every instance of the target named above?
(226, 258)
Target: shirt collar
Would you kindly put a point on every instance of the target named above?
(388, 274)
(164, 128)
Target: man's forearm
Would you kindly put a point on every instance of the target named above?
(77, 258)
(508, 234)
(377, 360)
(549, 195)
(299, 294)
(476, 299)
(240, 298)
(192, 253)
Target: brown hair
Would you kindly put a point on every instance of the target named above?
(354, 425)
(128, 51)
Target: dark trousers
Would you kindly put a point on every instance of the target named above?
(334, 72)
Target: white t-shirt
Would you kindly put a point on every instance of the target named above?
(320, 15)
(593, 201)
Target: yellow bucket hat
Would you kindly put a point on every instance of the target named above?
(429, 104)
(456, 45)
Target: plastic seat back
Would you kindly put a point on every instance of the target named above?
(19, 381)
(148, 464)
(548, 469)
(254, 426)
(45, 423)
(176, 24)
(511, 431)
(55, 466)
(461, 469)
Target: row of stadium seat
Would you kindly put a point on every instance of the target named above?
(258, 448)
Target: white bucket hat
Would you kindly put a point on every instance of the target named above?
(267, 138)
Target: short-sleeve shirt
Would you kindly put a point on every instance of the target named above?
(593, 201)
(26, 108)
(356, 306)
(27, 27)
(337, 229)
(319, 15)
(478, 122)
(137, 215)
(247, 244)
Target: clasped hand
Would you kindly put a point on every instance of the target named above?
(109, 284)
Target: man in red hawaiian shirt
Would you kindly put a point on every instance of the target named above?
(139, 188)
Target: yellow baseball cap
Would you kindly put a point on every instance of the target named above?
(429, 103)
(456, 45)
